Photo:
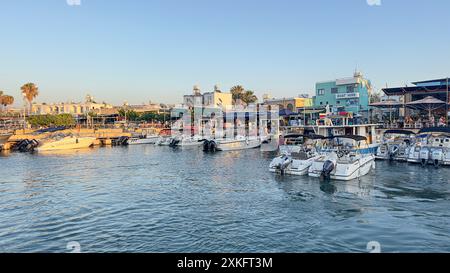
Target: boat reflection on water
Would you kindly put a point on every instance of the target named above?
(66, 153)
(361, 188)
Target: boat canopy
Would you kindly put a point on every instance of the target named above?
(435, 130)
(400, 132)
(310, 136)
(354, 137)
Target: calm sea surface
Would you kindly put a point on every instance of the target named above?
(155, 199)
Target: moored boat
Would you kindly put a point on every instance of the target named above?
(343, 163)
(395, 145)
(296, 154)
(239, 143)
(4, 138)
(66, 143)
(432, 146)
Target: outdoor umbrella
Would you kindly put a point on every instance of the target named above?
(429, 103)
(389, 104)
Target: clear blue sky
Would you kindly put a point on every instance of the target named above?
(140, 50)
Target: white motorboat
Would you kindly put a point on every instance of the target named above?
(296, 155)
(149, 139)
(239, 143)
(4, 138)
(147, 136)
(395, 145)
(343, 163)
(432, 146)
(185, 141)
(66, 143)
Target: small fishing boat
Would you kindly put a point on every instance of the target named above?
(146, 139)
(185, 141)
(432, 146)
(296, 154)
(66, 143)
(239, 143)
(147, 136)
(395, 145)
(343, 163)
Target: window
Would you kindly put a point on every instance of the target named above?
(350, 89)
(338, 102)
(320, 91)
(334, 90)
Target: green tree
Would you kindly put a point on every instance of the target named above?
(30, 91)
(245, 96)
(51, 120)
(6, 100)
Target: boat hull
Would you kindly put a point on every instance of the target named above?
(140, 141)
(69, 143)
(345, 171)
(236, 145)
(4, 138)
(294, 166)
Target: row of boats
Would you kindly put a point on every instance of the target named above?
(336, 157)
(346, 157)
(428, 146)
(342, 157)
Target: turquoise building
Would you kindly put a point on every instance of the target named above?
(347, 94)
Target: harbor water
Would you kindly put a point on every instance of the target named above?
(156, 199)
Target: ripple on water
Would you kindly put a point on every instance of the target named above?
(155, 199)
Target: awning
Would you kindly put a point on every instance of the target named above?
(387, 104)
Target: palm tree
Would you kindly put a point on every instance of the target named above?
(240, 94)
(236, 92)
(6, 100)
(30, 91)
(249, 97)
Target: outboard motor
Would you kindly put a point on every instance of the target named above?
(212, 146)
(424, 155)
(121, 141)
(282, 163)
(174, 142)
(328, 167)
(206, 145)
(393, 152)
(437, 155)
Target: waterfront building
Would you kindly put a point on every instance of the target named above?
(433, 114)
(293, 104)
(345, 94)
(73, 108)
(156, 108)
(215, 98)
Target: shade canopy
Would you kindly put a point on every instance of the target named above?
(435, 130)
(399, 131)
(429, 104)
(354, 137)
(387, 104)
(286, 112)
